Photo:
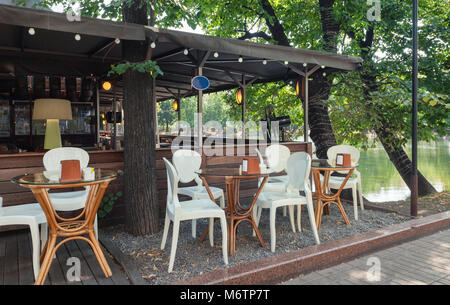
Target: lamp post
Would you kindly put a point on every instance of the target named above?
(414, 179)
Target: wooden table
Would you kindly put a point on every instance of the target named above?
(235, 212)
(323, 195)
(73, 228)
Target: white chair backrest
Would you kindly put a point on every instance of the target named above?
(1, 204)
(298, 169)
(260, 157)
(343, 149)
(277, 156)
(172, 186)
(187, 162)
(52, 159)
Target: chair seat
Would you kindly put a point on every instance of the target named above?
(336, 182)
(200, 208)
(197, 192)
(268, 199)
(284, 179)
(275, 187)
(69, 201)
(24, 211)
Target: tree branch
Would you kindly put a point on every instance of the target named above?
(259, 34)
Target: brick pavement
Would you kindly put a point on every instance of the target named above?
(425, 261)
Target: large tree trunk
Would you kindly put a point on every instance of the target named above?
(142, 211)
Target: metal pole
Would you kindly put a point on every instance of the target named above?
(414, 180)
(155, 109)
(243, 110)
(97, 109)
(200, 112)
(306, 114)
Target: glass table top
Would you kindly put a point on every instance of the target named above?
(52, 178)
(325, 164)
(230, 172)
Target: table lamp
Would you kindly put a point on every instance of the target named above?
(52, 110)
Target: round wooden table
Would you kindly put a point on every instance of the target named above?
(73, 228)
(323, 195)
(235, 212)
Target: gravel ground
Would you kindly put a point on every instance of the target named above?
(194, 258)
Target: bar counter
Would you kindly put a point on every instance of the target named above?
(12, 165)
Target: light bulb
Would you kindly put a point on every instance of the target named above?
(264, 62)
(77, 37)
(153, 45)
(286, 63)
(323, 67)
(216, 54)
(186, 52)
(31, 31)
(240, 59)
(305, 65)
(117, 41)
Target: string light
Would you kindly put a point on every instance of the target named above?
(117, 41)
(153, 45)
(286, 63)
(77, 37)
(31, 31)
(240, 59)
(305, 65)
(264, 62)
(323, 67)
(186, 52)
(216, 54)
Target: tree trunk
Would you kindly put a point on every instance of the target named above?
(142, 210)
(401, 161)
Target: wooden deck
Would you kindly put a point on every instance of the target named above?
(16, 264)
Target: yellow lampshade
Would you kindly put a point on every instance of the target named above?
(239, 96)
(106, 86)
(45, 109)
(176, 105)
(52, 110)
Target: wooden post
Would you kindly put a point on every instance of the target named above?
(200, 113)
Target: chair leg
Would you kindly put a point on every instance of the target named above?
(166, 231)
(44, 235)
(223, 225)
(355, 202)
(256, 216)
(46, 261)
(299, 218)
(34, 230)
(273, 233)
(194, 228)
(96, 226)
(360, 194)
(312, 221)
(211, 232)
(291, 216)
(173, 249)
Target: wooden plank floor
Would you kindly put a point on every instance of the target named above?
(16, 266)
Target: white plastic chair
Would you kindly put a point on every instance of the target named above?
(277, 156)
(298, 169)
(30, 215)
(187, 210)
(187, 162)
(335, 182)
(67, 201)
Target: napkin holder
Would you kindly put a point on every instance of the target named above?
(70, 171)
(344, 160)
(250, 165)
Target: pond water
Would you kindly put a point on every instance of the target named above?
(381, 181)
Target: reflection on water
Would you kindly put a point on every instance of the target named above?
(381, 181)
